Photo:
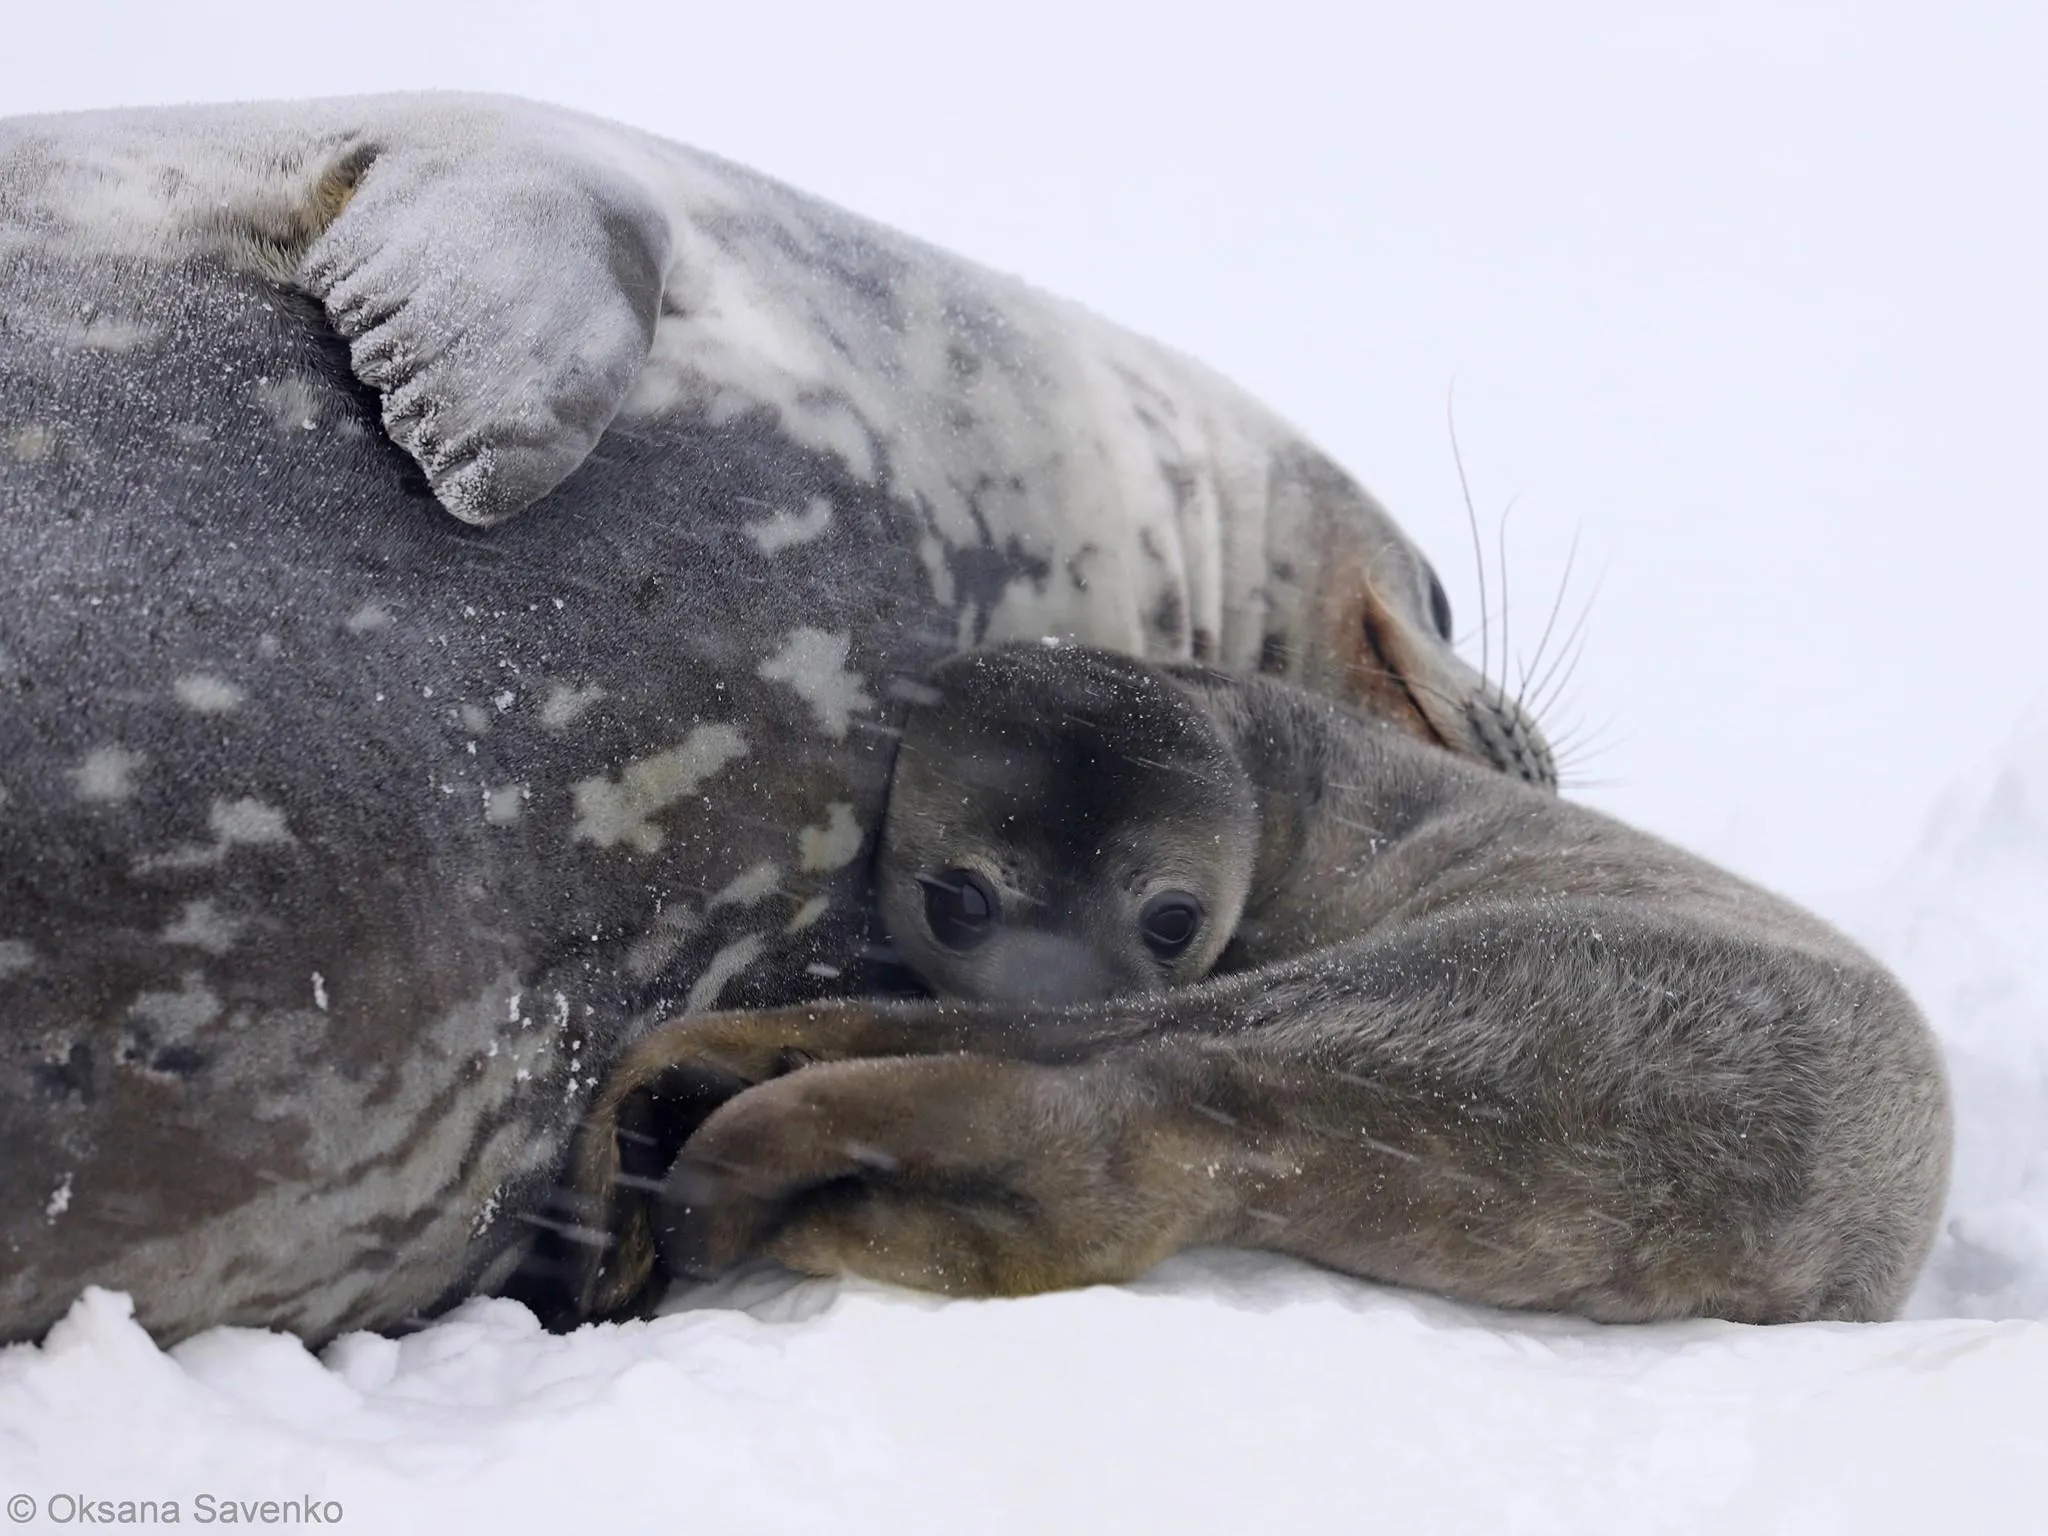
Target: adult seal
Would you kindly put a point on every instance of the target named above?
(1463, 1035)
(466, 563)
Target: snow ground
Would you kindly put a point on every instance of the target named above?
(1966, 927)
(1226, 1392)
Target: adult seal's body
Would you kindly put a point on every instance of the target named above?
(1464, 1036)
(463, 564)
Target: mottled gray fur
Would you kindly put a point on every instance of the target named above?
(1465, 1036)
(465, 564)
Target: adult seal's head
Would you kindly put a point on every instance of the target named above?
(1370, 624)
(1063, 824)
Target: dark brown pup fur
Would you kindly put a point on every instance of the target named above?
(1463, 1036)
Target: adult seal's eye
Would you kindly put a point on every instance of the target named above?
(960, 907)
(1439, 606)
(1169, 923)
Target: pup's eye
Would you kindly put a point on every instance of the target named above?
(960, 907)
(1169, 923)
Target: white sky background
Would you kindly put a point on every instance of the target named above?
(1753, 297)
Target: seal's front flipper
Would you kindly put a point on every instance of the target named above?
(957, 1173)
(498, 285)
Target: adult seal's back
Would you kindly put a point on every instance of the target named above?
(464, 563)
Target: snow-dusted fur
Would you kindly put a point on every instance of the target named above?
(1467, 1037)
(1223, 1392)
(345, 842)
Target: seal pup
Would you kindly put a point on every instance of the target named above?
(1465, 1036)
(466, 563)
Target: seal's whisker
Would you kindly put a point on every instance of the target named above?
(1471, 522)
(1575, 782)
(1579, 782)
(1550, 624)
(1536, 684)
(1500, 535)
(1559, 689)
(1541, 694)
(1579, 746)
(1582, 741)
(1590, 750)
